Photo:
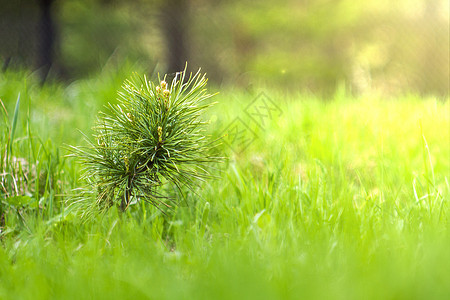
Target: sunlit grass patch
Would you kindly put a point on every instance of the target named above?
(344, 199)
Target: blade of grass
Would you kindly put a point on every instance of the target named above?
(14, 125)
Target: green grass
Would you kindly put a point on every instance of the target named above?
(344, 198)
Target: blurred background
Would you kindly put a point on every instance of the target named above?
(371, 46)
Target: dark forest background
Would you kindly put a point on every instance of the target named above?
(311, 45)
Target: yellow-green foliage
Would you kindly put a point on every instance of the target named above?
(343, 199)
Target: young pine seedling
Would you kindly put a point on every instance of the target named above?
(154, 136)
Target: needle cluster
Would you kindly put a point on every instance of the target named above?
(153, 136)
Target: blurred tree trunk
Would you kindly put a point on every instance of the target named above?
(6, 63)
(175, 22)
(46, 40)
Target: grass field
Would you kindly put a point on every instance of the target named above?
(337, 198)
